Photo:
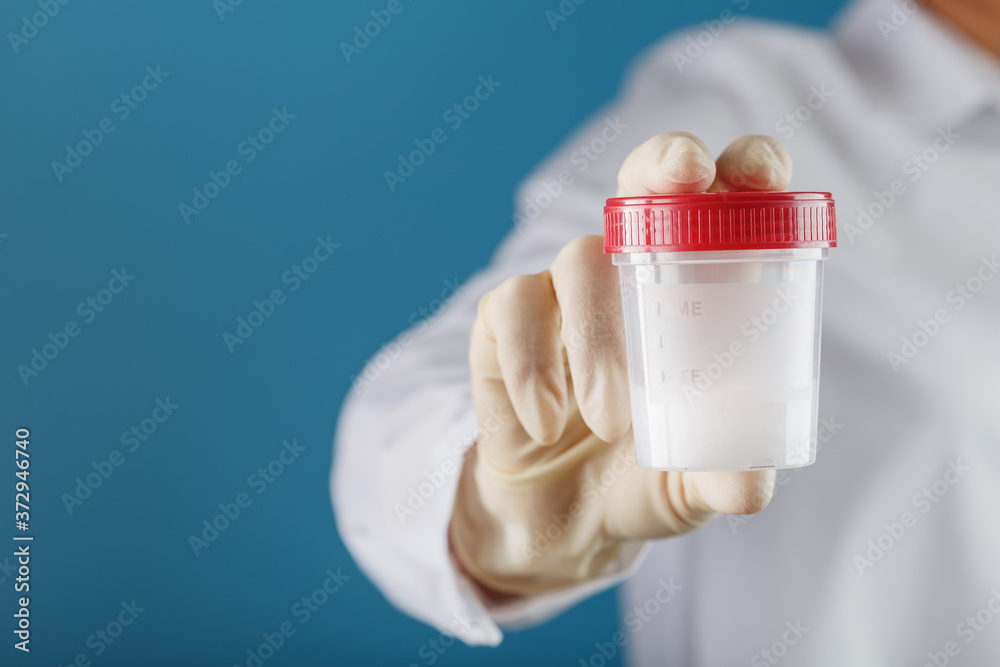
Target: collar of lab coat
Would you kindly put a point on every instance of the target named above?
(916, 65)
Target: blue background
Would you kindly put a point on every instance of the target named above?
(162, 336)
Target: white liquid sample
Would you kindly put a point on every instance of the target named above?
(728, 373)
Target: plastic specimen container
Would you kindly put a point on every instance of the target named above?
(722, 296)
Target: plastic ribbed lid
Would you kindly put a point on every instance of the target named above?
(720, 221)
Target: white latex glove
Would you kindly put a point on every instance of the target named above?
(552, 490)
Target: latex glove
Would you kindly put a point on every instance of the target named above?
(550, 389)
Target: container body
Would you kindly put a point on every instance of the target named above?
(723, 356)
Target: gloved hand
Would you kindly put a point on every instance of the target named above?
(548, 351)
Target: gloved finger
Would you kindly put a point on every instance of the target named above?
(586, 286)
(671, 163)
(646, 504)
(753, 162)
(517, 365)
(746, 492)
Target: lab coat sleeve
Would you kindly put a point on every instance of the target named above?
(407, 423)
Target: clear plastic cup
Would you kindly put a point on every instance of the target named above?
(722, 297)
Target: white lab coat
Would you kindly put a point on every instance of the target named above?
(909, 455)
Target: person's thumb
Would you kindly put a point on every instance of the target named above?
(733, 492)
